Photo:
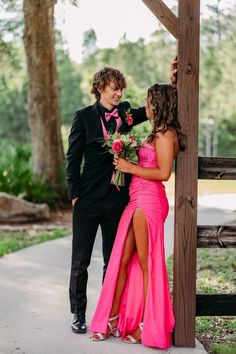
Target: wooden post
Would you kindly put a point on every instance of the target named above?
(164, 15)
(186, 176)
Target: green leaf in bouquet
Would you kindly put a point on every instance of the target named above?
(134, 157)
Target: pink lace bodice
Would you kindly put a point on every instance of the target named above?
(147, 155)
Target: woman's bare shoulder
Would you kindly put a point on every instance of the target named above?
(167, 138)
(168, 134)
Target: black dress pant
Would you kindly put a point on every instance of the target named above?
(87, 216)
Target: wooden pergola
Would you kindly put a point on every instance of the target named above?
(189, 168)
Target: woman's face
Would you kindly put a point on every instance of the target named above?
(148, 108)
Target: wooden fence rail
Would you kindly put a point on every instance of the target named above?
(220, 236)
(215, 305)
(217, 168)
(223, 236)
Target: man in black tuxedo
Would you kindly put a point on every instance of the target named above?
(89, 171)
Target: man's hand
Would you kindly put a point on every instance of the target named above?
(173, 72)
(73, 201)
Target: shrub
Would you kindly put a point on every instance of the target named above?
(16, 175)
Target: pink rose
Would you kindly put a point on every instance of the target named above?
(117, 146)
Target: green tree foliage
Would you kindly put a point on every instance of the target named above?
(143, 63)
(227, 136)
(11, 23)
(13, 91)
(13, 113)
(70, 82)
(146, 63)
(70, 86)
(218, 60)
(13, 81)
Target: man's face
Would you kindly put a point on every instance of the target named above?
(111, 95)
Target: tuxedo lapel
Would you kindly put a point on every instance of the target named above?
(96, 119)
(122, 115)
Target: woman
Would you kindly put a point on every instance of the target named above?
(135, 299)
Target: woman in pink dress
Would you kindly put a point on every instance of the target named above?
(135, 298)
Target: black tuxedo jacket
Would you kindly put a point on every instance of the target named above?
(85, 144)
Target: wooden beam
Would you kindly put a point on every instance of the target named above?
(185, 243)
(216, 305)
(164, 15)
(217, 168)
(216, 236)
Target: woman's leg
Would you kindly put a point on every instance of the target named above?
(141, 240)
(128, 252)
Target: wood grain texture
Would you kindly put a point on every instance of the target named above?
(186, 176)
(164, 15)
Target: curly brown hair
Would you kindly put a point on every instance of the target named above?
(104, 77)
(163, 99)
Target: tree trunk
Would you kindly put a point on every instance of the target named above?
(43, 95)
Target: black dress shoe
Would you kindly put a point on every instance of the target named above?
(78, 324)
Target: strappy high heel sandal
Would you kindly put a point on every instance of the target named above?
(111, 331)
(130, 339)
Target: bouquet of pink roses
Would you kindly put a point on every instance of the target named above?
(123, 145)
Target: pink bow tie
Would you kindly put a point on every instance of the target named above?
(112, 114)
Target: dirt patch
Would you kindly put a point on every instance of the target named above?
(221, 331)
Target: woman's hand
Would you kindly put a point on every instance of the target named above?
(173, 72)
(122, 164)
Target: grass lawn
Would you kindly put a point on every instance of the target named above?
(216, 273)
(10, 242)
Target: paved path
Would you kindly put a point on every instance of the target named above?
(34, 305)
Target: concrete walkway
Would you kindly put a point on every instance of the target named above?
(34, 307)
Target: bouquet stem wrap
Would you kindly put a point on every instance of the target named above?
(118, 178)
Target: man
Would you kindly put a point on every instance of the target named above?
(95, 200)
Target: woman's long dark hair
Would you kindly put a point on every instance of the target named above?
(163, 99)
